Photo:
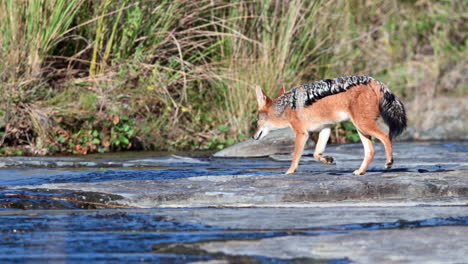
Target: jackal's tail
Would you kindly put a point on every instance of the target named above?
(393, 112)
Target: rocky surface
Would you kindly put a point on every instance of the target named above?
(423, 245)
(423, 173)
(330, 217)
(236, 235)
(278, 190)
(240, 210)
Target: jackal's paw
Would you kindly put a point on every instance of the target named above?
(358, 172)
(326, 159)
(290, 170)
(389, 164)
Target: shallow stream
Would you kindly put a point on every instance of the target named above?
(60, 226)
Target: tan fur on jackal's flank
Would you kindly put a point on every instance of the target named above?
(318, 106)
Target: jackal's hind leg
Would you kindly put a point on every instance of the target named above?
(372, 129)
(324, 135)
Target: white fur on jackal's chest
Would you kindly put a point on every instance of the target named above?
(316, 123)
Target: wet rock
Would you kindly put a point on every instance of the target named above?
(280, 190)
(277, 141)
(423, 173)
(181, 235)
(323, 217)
(221, 258)
(447, 244)
(110, 161)
(57, 199)
(248, 211)
(29, 204)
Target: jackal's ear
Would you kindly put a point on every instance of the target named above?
(261, 96)
(281, 92)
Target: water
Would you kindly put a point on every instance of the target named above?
(109, 236)
(66, 233)
(208, 167)
(81, 236)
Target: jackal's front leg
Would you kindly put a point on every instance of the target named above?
(368, 154)
(324, 135)
(301, 138)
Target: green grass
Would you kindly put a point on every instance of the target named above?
(180, 74)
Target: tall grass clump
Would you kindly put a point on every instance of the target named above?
(29, 31)
(153, 64)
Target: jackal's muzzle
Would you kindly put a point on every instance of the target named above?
(260, 133)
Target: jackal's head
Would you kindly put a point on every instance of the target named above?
(266, 118)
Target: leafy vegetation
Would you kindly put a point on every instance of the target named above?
(82, 76)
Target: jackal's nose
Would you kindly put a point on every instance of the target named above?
(257, 137)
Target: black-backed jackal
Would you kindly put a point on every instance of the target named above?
(317, 106)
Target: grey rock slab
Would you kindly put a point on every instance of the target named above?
(281, 190)
(423, 172)
(421, 151)
(277, 141)
(446, 244)
(310, 217)
(408, 156)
